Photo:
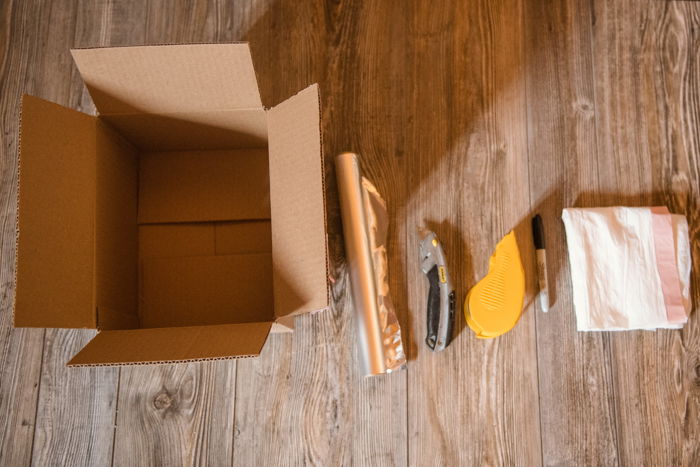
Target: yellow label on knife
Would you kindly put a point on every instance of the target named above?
(443, 276)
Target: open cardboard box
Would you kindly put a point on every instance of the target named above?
(184, 221)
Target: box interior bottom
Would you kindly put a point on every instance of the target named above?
(193, 274)
(204, 239)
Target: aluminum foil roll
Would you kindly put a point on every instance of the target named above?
(365, 222)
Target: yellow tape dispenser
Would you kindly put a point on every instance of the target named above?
(493, 306)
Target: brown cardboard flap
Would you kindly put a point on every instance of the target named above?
(200, 186)
(165, 345)
(219, 129)
(55, 250)
(205, 290)
(172, 78)
(298, 204)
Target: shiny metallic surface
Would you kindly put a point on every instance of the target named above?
(365, 222)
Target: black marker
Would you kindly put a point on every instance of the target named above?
(538, 236)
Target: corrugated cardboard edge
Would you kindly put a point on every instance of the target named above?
(18, 169)
(18, 173)
(158, 44)
(325, 201)
(161, 362)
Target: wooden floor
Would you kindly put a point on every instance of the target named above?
(469, 116)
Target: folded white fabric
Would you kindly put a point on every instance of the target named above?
(630, 268)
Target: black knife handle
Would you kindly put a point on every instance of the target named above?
(433, 307)
(451, 319)
(433, 314)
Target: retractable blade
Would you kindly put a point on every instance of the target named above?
(441, 295)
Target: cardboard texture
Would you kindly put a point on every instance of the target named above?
(184, 222)
(56, 213)
(298, 205)
(204, 238)
(172, 289)
(169, 78)
(201, 186)
(167, 345)
(220, 129)
(116, 233)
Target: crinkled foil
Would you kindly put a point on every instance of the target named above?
(365, 225)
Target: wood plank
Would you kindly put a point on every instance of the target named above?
(477, 401)
(264, 428)
(85, 398)
(175, 414)
(574, 368)
(647, 99)
(302, 410)
(76, 408)
(20, 349)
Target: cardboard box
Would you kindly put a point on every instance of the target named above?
(184, 221)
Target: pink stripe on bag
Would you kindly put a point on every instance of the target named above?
(664, 246)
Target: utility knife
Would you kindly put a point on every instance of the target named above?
(441, 295)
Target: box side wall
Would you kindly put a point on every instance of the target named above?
(56, 207)
(204, 239)
(116, 231)
(215, 129)
(202, 186)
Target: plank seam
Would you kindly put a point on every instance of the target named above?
(116, 413)
(528, 128)
(233, 415)
(38, 396)
(605, 339)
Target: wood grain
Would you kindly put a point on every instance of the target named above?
(477, 401)
(76, 407)
(646, 65)
(175, 415)
(574, 368)
(469, 117)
